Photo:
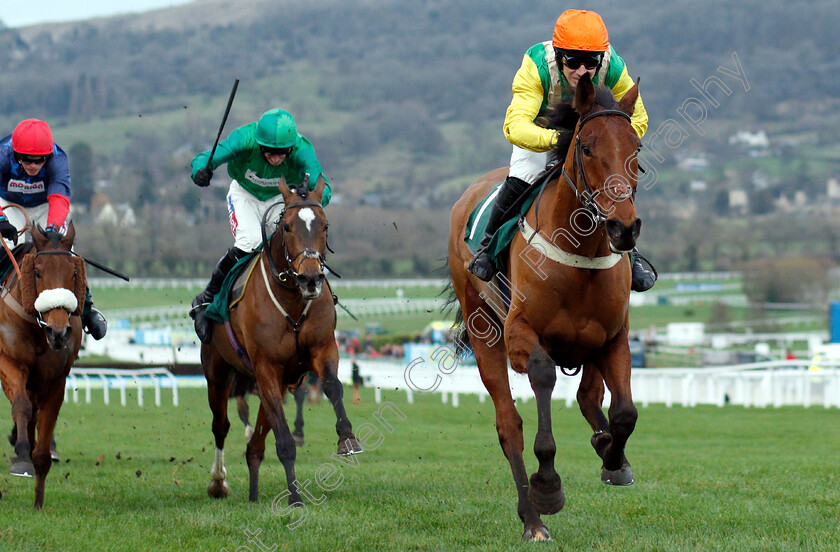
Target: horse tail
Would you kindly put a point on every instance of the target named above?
(450, 303)
(243, 385)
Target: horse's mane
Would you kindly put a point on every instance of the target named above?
(563, 115)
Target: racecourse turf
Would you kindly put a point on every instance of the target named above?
(707, 478)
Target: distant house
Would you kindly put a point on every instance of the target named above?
(752, 140)
(105, 213)
(756, 143)
(107, 216)
(693, 163)
(832, 188)
(738, 200)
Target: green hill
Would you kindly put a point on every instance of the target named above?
(404, 102)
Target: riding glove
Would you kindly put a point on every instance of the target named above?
(203, 176)
(8, 231)
(563, 139)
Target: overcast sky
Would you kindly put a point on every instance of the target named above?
(17, 13)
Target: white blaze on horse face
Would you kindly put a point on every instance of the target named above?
(308, 216)
(50, 299)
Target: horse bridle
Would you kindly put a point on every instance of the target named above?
(587, 197)
(290, 274)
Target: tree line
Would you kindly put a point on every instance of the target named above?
(404, 102)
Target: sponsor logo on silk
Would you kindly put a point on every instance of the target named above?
(264, 182)
(23, 187)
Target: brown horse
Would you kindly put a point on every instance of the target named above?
(285, 325)
(40, 339)
(569, 299)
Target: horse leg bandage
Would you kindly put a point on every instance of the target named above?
(50, 299)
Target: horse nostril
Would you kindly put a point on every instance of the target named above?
(614, 228)
(637, 228)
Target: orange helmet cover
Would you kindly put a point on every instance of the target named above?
(581, 30)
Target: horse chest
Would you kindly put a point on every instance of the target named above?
(567, 328)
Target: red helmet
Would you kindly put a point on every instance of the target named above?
(32, 137)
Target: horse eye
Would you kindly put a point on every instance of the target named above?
(586, 151)
(37, 274)
(286, 227)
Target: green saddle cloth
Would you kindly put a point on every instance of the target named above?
(219, 309)
(479, 218)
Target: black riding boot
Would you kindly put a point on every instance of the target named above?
(93, 321)
(644, 275)
(510, 195)
(199, 304)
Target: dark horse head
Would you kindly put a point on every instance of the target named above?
(602, 165)
(303, 236)
(53, 284)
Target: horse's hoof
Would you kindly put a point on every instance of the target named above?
(54, 455)
(349, 446)
(23, 469)
(546, 495)
(620, 477)
(539, 533)
(218, 489)
(298, 437)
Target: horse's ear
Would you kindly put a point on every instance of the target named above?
(28, 292)
(284, 189)
(627, 103)
(318, 192)
(584, 94)
(80, 282)
(39, 237)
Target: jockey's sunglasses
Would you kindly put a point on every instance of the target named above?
(275, 151)
(30, 159)
(573, 61)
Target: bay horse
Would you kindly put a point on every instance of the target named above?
(40, 337)
(284, 327)
(569, 295)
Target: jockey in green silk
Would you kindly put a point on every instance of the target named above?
(258, 155)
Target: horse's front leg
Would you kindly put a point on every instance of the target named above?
(255, 452)
(325, 365)
(271, 397)
(615, 368)
(41, 456)
(546, 489)
(13, 376)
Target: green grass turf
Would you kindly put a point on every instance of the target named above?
(707, 478)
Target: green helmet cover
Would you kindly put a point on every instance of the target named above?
(276, 129)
